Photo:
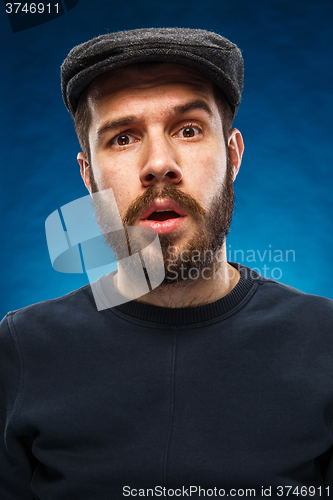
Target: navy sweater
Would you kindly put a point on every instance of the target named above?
(237, 394)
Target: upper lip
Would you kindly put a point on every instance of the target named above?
(162, 205)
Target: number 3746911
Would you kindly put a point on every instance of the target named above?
(32, 8)
(285, 491)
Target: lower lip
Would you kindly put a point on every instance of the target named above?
(164, 227)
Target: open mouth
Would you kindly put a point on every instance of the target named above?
(162, 215)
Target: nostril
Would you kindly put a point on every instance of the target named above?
(153, 173)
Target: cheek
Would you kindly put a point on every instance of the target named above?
(119, 179)
(204, 177)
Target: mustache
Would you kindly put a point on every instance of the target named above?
(169, 192)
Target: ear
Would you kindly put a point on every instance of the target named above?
(236, 149)
(84, 169)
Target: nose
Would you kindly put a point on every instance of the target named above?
(161, 164)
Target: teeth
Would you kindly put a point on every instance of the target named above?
(166, 210)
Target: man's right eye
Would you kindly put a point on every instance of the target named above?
(123, 140)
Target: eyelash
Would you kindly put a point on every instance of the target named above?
(122, 134)
(191, 125)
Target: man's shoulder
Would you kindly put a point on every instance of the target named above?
(73, 308)
(277, 291)
(288, 302)
(290, 292)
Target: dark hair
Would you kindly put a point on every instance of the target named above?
(83, 116)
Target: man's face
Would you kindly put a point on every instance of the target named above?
(156, 139)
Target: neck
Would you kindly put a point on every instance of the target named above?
(208, 288)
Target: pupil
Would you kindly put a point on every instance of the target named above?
(189, 132)
(123, 140)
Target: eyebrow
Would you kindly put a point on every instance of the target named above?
(195, 104)
(112, 125)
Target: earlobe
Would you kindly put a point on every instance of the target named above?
(84, 169)
(236, 149)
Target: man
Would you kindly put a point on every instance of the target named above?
(218, 382)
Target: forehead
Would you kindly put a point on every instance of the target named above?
(148, 76)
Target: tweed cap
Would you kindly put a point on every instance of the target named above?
(207, 52)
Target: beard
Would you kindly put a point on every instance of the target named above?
(200, 256)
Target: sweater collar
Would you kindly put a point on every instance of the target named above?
(191, 315)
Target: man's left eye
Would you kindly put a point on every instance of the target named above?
(189, 131)
(123, 140)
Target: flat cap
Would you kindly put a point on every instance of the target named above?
(207, 52)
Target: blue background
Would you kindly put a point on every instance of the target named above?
(284, 188)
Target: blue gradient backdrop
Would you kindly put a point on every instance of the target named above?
(284, 189)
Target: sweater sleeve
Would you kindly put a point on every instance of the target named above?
(326, 469)
(15, 466)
